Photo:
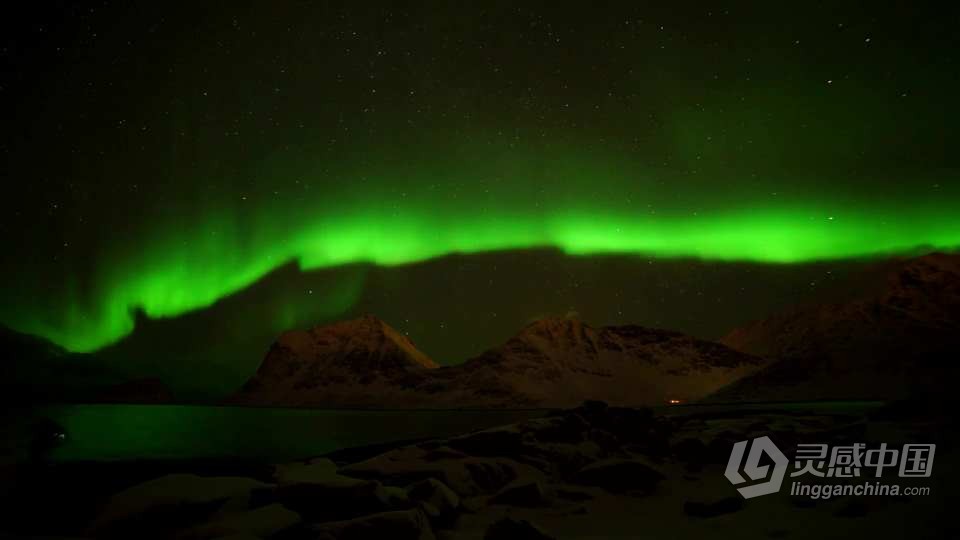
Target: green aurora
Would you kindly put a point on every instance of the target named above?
(160, 162)
(187, 265)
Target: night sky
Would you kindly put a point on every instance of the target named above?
(161, 158)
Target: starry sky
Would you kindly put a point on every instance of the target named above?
(160, 159)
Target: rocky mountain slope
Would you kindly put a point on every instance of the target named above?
(900, 340)
(551, 362)
(561, 362)
(358, 362)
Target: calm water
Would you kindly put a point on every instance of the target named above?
(121, 432)
(124, 432)
(813, 407)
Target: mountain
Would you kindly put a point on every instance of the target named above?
(898, 340)
(551, 362)
(358, 362)
(34, 370)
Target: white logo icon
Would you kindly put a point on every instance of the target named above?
(754, 471)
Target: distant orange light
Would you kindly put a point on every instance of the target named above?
(674, 401)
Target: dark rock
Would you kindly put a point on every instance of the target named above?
(494, 442)
(629, 424)
(593, 406)
(443, 452)
(566, 428)
(436, 495)
(170, 503)
(607, 441)
(515, 529)
(573, 495)
(576, 511)
(529, 494)
(473, 505)
(620, 475)
(324, 502)
(692, 451)
(431, 511)
(398, 525)
(396, 497)
(650, 440)
(314, 471)
(561, 459)
(259, 523)
(727, 505)
(466, 477)
(852, 509)
(490, 476)
(718, 449)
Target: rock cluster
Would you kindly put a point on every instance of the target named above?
(557, 465)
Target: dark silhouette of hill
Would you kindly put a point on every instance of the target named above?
(899, 340)
(35, 370)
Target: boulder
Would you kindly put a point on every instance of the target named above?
(566, 428)
(594, 406)
(314, 471)
(853, 508)
(627, 424)
(561, 459)
(473, 505)
(559, 444)
(437, 496)
(317, 491)
(432, 512)
(503, 441)
(605, 441)
(515, 529)
(396, 497)
(573, 495)
(466, 477)
(397, 525)
(171, 502)
(620, 475)
(525, 494)
(726, 505)
(442, 452)
(692, 451)
(331, 502)
(261, 522)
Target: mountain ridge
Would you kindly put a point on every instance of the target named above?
(895, 342)
(550, 362)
